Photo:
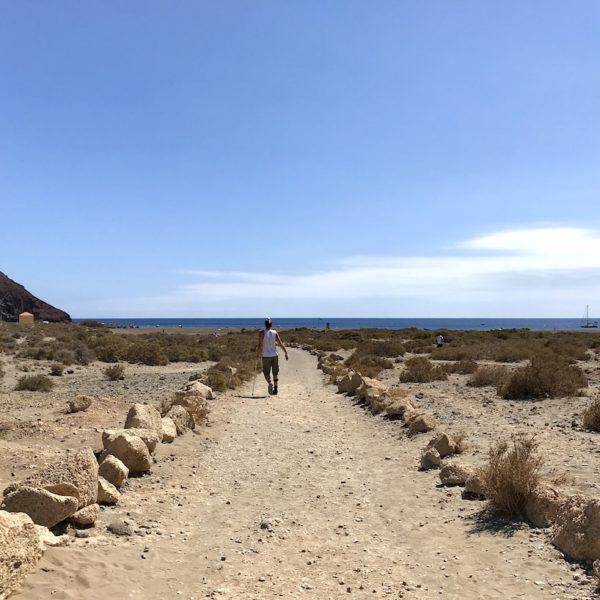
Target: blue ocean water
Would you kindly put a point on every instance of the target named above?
(481, 324)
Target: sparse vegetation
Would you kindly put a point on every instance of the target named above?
(512, 473)
(419, 369)
(462, 367)
(488, 375)
(591, 417)
(546, 376)
(115, 372)
(56, 369)
(34, 383)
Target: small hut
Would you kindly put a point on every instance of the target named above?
(25, 318)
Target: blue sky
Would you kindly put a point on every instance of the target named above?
(302, 159)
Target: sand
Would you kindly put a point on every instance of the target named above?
(301, 495)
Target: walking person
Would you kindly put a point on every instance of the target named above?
(268, 340)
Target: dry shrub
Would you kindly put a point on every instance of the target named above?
(462, 367)
(512, 473)
(219, 380)
(421, 370)
(488, 375)
(452, 353)
(546, 376)
(147, 353)
(115, 372)
(34, 383)
(460, 445)
(367, 364)
(56, 369)
(591, 417)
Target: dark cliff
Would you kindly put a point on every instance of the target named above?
(15, 299)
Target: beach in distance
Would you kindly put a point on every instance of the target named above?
(466, 324)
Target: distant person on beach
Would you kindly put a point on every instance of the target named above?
(268, 340)
(439, 340)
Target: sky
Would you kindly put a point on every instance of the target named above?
(302, 159)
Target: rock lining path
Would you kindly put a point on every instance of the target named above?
(301, 495)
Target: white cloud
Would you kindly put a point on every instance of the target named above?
(524, 272)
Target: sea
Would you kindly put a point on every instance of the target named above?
(479, 324)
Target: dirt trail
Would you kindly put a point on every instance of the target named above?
(301, 495)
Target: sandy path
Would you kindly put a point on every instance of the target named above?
(303, 495)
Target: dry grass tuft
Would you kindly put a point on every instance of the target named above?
(512, 473)
(591, 417)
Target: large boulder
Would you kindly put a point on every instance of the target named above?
(44, 507)
(143, 416)
(197, 406)
(20, 550)
(350, 382)
(195, 388)
(374, 393)
(148, 436)
(74, 474)
(131, 451)
(86, 516)
(79, 403)
(107, 492)
(430, 459)
(113, 470)
(455, 474)
(398, 407)
(474, 485)
(182, 419)
(544, 504)
(420, 424)
(577, 528)
(169, 430)
(443, 443)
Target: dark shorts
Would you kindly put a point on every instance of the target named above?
(270, 363)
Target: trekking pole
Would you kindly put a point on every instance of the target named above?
(254, 378)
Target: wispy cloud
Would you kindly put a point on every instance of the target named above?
(503, 271)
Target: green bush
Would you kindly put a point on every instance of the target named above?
(546, 376)
(115, 372)
(147, 353)
(34, 383)
(419, 369)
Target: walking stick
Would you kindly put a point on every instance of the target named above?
(254, 378)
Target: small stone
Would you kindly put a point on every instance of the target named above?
(120, 528)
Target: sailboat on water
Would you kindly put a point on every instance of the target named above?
(586, 323)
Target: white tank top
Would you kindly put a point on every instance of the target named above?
(269, 346)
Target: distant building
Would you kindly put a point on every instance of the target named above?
(25, 318)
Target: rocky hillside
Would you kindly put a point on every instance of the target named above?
(15, 299)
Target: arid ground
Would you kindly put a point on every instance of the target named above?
(300, 495)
